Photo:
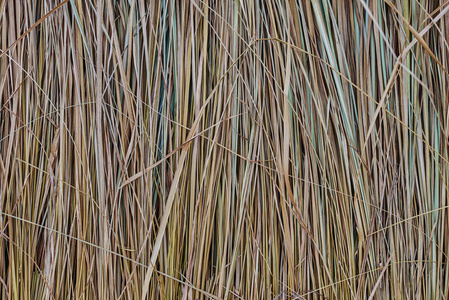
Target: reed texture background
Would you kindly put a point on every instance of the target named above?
(196, 149)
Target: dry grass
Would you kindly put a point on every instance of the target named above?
(224, 149)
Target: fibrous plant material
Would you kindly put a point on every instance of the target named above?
(198, 149)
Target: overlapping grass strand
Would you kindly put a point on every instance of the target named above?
(224, 149)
